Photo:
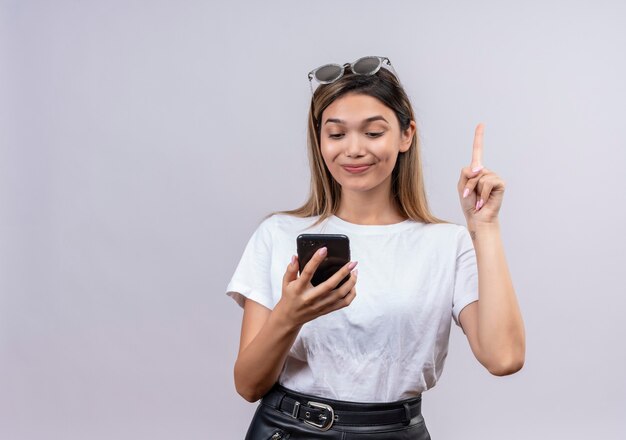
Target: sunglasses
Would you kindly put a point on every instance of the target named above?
(329, 73)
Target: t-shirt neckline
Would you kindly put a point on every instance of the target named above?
(370, 229)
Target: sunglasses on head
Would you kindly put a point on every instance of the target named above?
(329, 73)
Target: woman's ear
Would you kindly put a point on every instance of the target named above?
(407, 137)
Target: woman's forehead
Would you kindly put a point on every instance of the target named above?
(357, 108)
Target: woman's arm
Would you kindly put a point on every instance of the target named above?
(264, 345)
(493, 324)
(267, 335)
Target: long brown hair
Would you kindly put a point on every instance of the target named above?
(407, 179)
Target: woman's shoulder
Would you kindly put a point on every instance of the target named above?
(286, 222)
(453, 233)
(446, 227)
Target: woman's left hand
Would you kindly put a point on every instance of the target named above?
(483, 189)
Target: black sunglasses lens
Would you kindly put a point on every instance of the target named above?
(329, 73)
(366, 66)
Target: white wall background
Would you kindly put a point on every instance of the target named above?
(142, 141)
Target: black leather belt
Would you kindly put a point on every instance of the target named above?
(324, 413)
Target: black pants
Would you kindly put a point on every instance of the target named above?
(272, 423)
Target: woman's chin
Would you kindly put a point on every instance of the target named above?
(352, 187)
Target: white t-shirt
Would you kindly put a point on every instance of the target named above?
(391, 342)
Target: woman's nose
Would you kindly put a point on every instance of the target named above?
(354, 146)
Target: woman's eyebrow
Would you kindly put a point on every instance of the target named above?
(375, 118)
(365, 121)
(336, 121)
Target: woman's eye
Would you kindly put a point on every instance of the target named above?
(374, 134)
(335, 135)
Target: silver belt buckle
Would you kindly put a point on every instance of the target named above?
(326, 422)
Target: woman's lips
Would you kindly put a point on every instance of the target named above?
(356, 170)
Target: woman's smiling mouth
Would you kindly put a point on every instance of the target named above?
(356, 169)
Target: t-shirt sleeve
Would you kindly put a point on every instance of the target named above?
(466, 275)
(252, 277)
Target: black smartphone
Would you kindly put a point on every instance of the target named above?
(338, 255)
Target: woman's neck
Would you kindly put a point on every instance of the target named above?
(364, 209)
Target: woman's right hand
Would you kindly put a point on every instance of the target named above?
(302, 302)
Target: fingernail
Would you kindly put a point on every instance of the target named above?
(477, 169)
(466, 192)
(322, 251)
(293, 259)
(481, 204)
(477, 203)
(355, 272)
(352, 265)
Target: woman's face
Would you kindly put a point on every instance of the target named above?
(360, 140)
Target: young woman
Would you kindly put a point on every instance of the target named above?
(331, 364)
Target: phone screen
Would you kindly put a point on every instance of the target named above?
(338, 255)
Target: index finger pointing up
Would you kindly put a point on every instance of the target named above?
(477, 151)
